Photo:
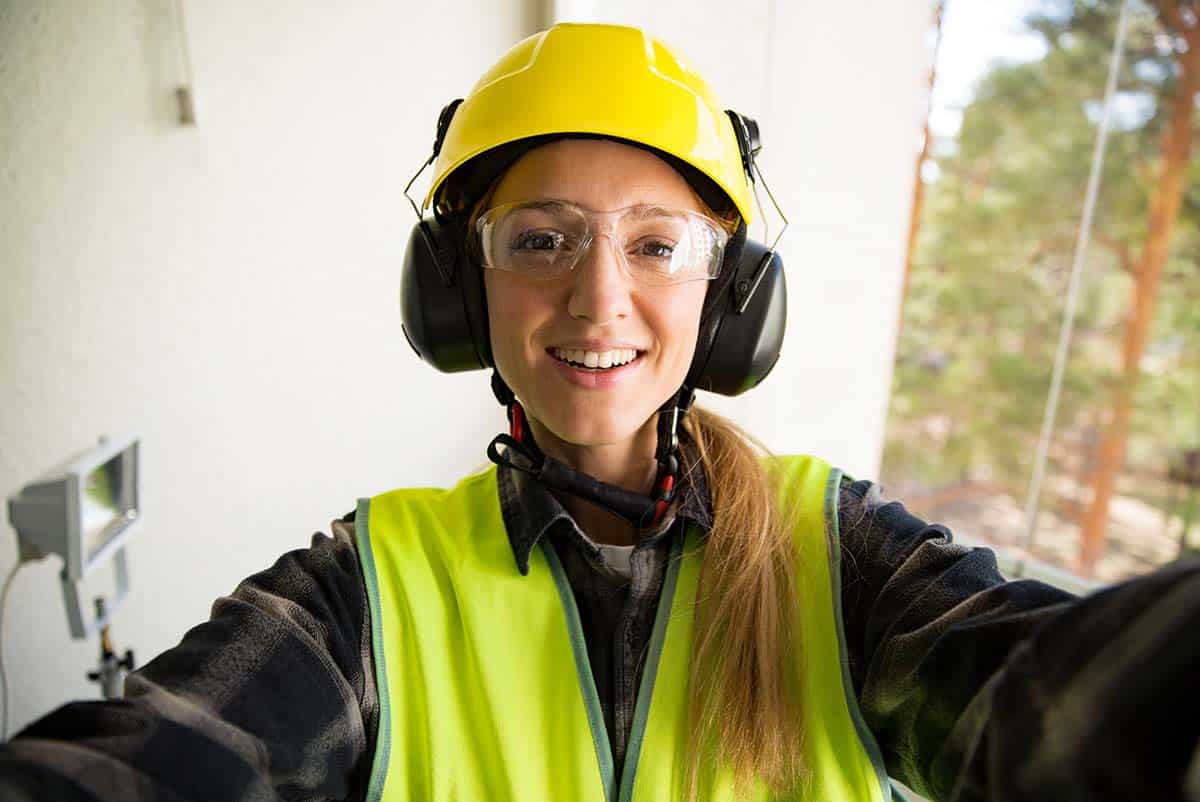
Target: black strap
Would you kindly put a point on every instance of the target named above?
(669, 415)
(640, 510)
(501, 390)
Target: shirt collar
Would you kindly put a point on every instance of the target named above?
(530, 510)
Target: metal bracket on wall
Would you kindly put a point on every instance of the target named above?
(184, 94)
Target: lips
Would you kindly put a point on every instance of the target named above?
(596, 377)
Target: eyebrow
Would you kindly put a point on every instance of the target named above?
(654, 210)
(548, 203)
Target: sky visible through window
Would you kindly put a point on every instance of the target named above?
(976, 33)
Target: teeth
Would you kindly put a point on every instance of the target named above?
(596, 359)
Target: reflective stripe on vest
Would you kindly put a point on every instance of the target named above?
(485, 688)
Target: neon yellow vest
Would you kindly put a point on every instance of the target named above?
(485, 688)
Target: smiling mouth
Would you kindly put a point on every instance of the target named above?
(596, 361)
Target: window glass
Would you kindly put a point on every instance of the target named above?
(1018, 96)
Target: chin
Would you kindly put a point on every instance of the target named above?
(583, 427)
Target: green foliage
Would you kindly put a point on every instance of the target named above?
(992, 262)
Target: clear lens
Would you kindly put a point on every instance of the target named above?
(540, 240)
(545, 239)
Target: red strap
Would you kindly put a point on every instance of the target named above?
(660, 506)
(517, 422)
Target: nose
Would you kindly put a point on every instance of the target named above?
(600, 286)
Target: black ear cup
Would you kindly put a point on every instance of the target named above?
(740, 343)
(443, 308)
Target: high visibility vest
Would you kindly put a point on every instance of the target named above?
(485, 689)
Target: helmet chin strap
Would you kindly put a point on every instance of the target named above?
(518, 451)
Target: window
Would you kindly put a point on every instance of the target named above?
(1018, 99)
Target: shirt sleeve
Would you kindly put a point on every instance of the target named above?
(271, 699)
(977, 688)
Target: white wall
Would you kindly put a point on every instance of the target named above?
(229, 291)
(838, 91)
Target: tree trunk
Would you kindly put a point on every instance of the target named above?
(1147, 275)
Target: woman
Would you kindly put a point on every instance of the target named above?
(631, 604)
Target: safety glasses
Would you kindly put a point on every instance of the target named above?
(544, 239)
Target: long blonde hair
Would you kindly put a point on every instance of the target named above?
(744, 702)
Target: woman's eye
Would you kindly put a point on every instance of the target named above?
(657, 249)
(538, 240)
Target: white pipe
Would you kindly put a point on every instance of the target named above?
(1068, 323)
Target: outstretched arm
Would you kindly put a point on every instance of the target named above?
(272, 698)
(982, 689)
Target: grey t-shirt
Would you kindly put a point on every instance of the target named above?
(618, 558)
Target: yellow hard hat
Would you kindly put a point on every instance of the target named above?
(608, 80)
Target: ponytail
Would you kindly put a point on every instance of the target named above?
(744, 701)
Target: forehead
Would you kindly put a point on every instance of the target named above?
(595, 173)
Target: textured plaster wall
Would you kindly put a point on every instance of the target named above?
(228, 291)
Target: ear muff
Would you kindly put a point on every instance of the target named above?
(743, 323)
(445, 317)
(443, 307)
(745, 311)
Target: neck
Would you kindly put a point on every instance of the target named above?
(629, 464)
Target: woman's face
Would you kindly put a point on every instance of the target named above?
(597, 306)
